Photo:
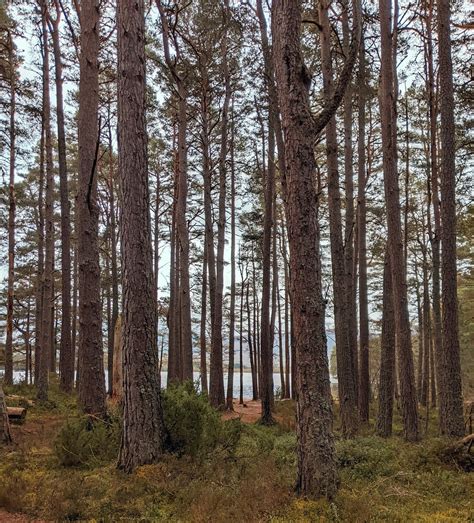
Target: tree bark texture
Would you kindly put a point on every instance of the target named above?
(143, 429)
(90, 352)
(316, 475)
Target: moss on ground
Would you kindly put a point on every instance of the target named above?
(381, 480)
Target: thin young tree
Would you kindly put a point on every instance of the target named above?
(143, 429)
(11, 75)
(364, 380)
(47, 278)
(266, 390)
(66, 351)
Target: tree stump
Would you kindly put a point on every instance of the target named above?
(5, 435)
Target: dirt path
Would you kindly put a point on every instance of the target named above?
(7, 517)
(249, 412)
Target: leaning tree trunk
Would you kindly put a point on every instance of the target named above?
(92, 377)
(143, 429)
(450, 386)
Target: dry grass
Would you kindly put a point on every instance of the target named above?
(381, 480)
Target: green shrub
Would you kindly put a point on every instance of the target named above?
(193, 427)
(82, 442)
(366, 458)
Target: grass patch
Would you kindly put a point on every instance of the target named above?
(238, 473)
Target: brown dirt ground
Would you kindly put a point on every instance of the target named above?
(249, 412)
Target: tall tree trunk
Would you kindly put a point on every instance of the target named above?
(186, 352)
(364, 379)
(173, 341)
(449, 381)
(387, 357)
(436, 233)
(92, 379)
(183, 343)
(349, 222)
(40, 262)
(143, 429)
(253, 368)
(216, 380)
(269, 190)
(47, 280)
(113, 258)
(230, 378)
(289, 350)
(202, 336)
(66, 352)
(8, 378)
(419, 371)
(283, 383)
(74, 308)
(395, 241)
(315, 443)
(344, 352)
(207, 183)
(425, 390)
(241, 341)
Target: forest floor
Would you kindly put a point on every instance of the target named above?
(381, 480)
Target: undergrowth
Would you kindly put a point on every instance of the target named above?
(228, 472)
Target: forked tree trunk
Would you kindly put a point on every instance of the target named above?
(315, 444)
(143, 429)
(91, 361)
